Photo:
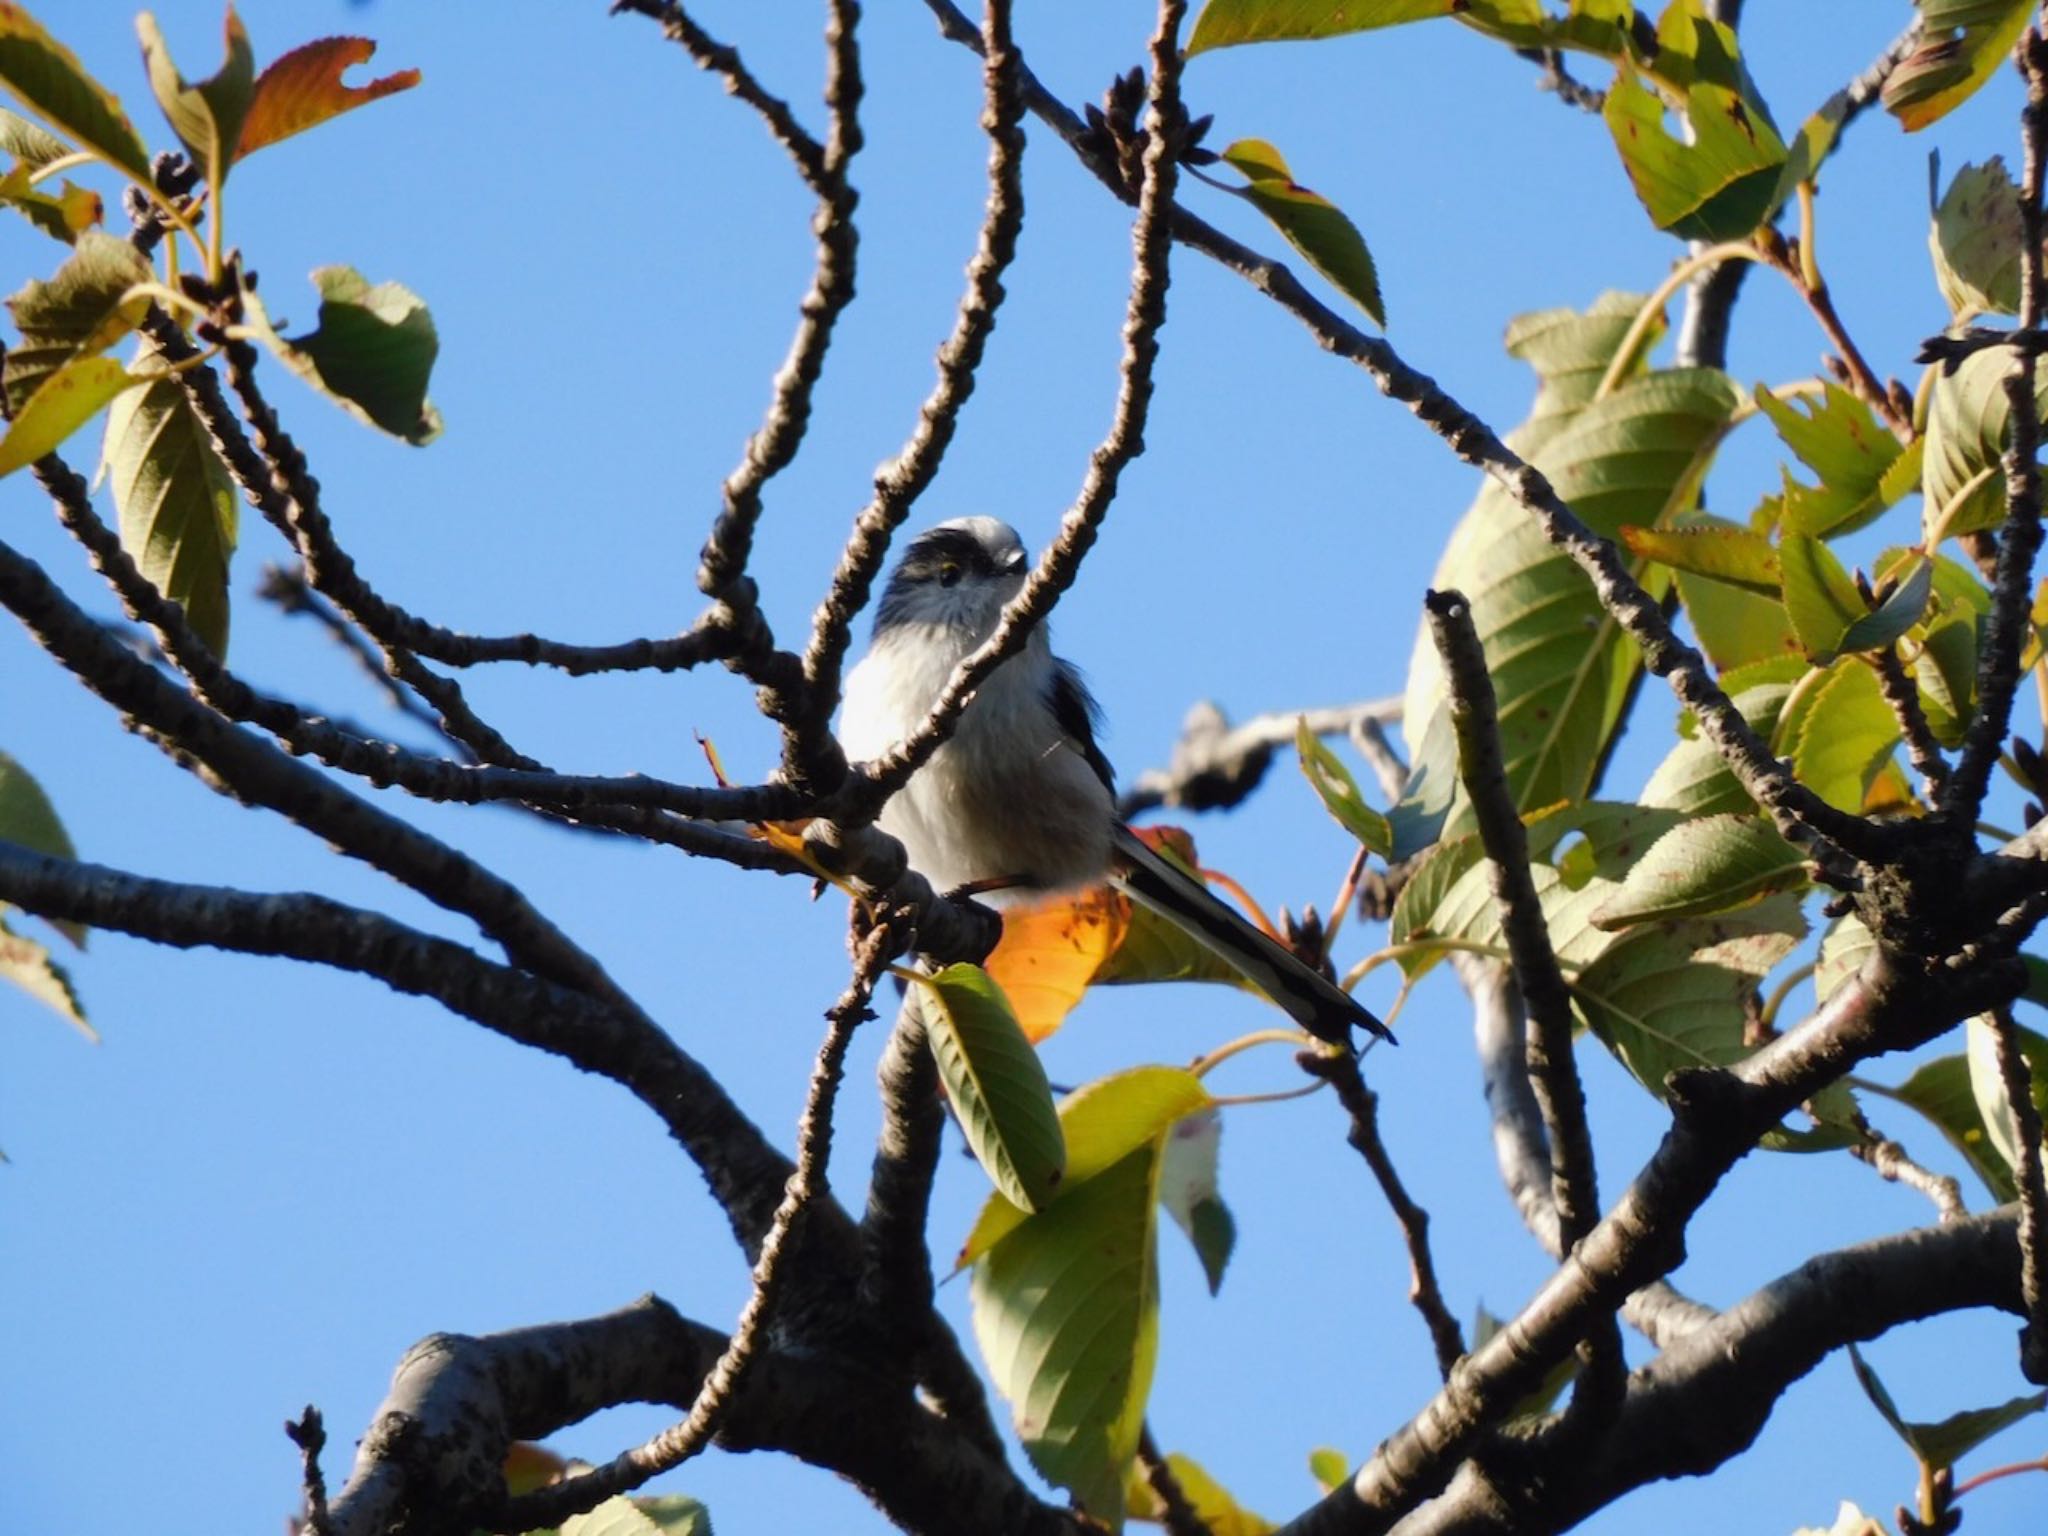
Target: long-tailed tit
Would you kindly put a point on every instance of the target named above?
(1020, 795)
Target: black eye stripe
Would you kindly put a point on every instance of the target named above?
(933, 552)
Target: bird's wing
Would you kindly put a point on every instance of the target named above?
(1077, 713)
(1308, 997)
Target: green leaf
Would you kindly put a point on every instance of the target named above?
(1720, 551)
(28, 965)
(1721, 178)
(1417, 819)
(67, 400)
(1843, 949)
(1562, 667)
(1187, 1188)
(996, 1083)
(666, 1515)
(1937, 1446)
(1154, 950)
(1900, 610)
(1975, 239)
(1066, 1311)
(1713, 864)
(1994, 1107)
(1694, 780)
(1571, 351)
(1330, 1467)
(1940, 1090)
(79, 312)
(1226, 23)
(64, 215)
(1102, 1123)
(1962, 43)
(206, 117)
(47, 78)
(1213, 1504)
(28, 818)
(1311, 223)
(1819, 596)
(371, 353)
(1840, 736)
(1672, 995)
(304, 88)
(1339, 792)
(178, 503)
(28, 144)
(1736, 627)
(1968, 427)
(1841, 440)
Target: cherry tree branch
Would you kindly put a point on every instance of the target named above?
(1215, 765)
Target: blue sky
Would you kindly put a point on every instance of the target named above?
(267, 1181)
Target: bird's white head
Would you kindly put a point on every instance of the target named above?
(957, 576)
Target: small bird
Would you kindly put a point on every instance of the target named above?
(1021, 796)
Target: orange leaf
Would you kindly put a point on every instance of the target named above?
(1050, 952)
(304, 88)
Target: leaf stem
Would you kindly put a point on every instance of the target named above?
(1636, 337)
(1203, 1065)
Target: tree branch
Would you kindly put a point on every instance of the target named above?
(900, 482)
(1215, 765)
(2017, 1077)
(1706, 1397)
(744, 1171)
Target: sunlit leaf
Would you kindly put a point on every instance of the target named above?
(78, 312)
(207, 117)
(28, 965)
(1839, 735)
(1066, 1311)
(1102, 1123)
(1330, 1467)
(1339, 792)
(29, 145)
(304, 88)
(27, 817)
(1417, 818)
(1962, 42)
(996, 1083)
(178, 503)
(62, 215)
(1841, 440)
(1819, 596)
(1975, 240)
(1560, 664)
(1721, 551)
(1670, 995)
(47, 78)
(1694, 779)
(1899, 611)
(1937, 1446)
(1994, 1107)
(1219, 1512)
(66, 401)
(1225, 23)
(1719, 178)
(1712, 864)
(371, 353)
(1311, 223)
(1050, 952)
(1968, 426)
(1188, 1190)
(667, 1515)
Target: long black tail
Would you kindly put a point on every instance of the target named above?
(1311, 999)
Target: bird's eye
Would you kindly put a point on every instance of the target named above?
(949, 574)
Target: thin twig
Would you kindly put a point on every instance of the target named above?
(2007, 626)
(724, 60)
(2015, 1072)
(1215, 764)
(575, 1495)
(900, 482)
(1556, 78)
(1152, 242)
(1893, 1164)
(310, 1436)
(1176, 1514)
(1553, 1070)
(1903, 695)
(1341, 1071)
